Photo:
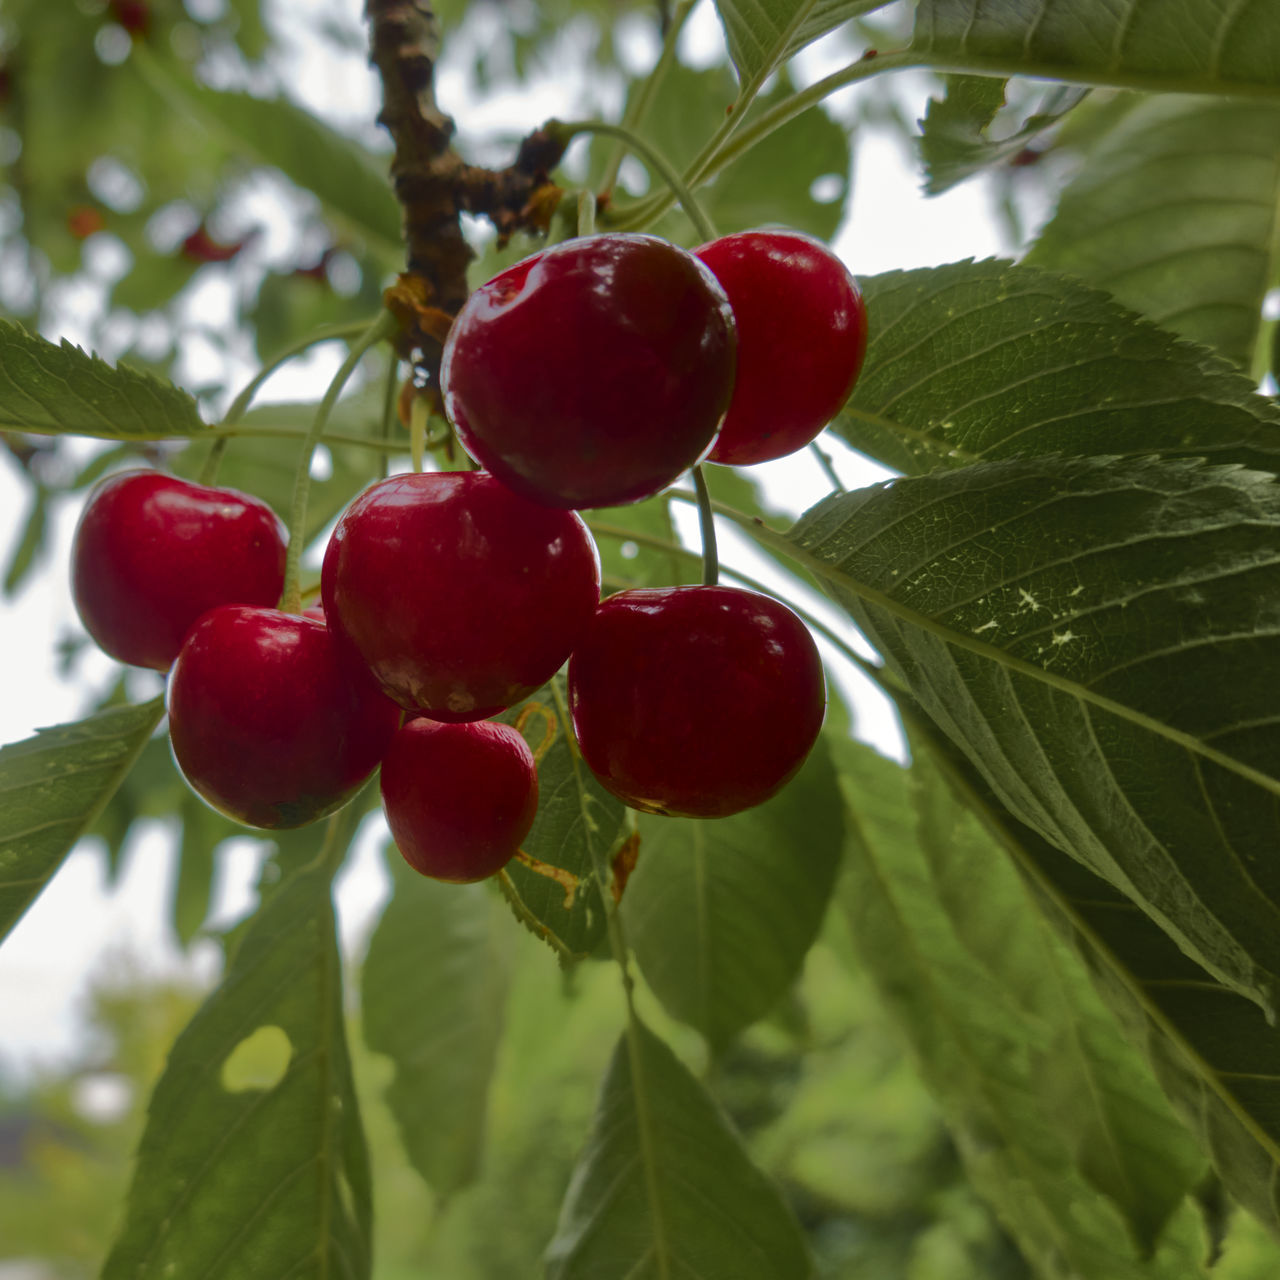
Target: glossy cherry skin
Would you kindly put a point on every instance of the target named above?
(269, 724)
(802, 335)
(593, 373)
(152, 553)
(460, 596)
(695, 701)
(459, 798)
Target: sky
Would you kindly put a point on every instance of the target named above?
(80, 928)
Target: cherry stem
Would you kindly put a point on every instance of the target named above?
(727, 144)
(390, 392)
(383, 327)
(586, 213)
(239, 406)
(865, 665)
(266, 431)
(639, 105)
(327, 333)
(710, 557)
(419, 412)
(654, 159)
(824, 461)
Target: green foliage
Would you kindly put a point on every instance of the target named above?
(976, 361)
(275, 132)
(1199, 47)
(576, 830)
(664, 1187)
(444, 1045)
(954, 139)
(1198, 265)
(771, 183)
(1043, 611)
(722, 912)
(1212, 1051)
(55, 785)
(1054, 1112)
(762, 36)
(253, 1160)
(48, 389)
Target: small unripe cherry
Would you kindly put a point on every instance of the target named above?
(153, 552)
(695, 701)
(802, 335)
(459, 798)
(268, 722)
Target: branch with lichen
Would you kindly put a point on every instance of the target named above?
(433, 184)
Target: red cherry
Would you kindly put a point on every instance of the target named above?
(695, 701)
(268, 723)
(83, 221)
(592, 373)
(200, 246)
(133, 15)
(459, 797)
(461, 596)
(802, 334)
(153, 552)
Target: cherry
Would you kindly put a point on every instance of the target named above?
(83, 221)
(268, 722)
(695, 701)
(133, 15)
(461, 596)
(152, 553)
(592, 373)
(802, 334)
(459, 798)
(201, 247)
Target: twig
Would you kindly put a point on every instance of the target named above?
(432, 183)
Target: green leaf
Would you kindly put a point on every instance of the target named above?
(48, 389)
(1192, 46)
(763, 34)
(1211, 1049)
(28, 546)
(433, 998)
(202, 831)
(665, 1188)
(274, 131)
(578, 825)
(721, 913)
(983, 360)
(954, 141)
(253, 1161)
(251, 34)
(1061, 1124)
(54, 786)
(1099, 639)
(1198, 264)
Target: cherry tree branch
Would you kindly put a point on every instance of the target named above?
(433, 184)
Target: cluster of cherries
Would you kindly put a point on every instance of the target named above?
(590, 374)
